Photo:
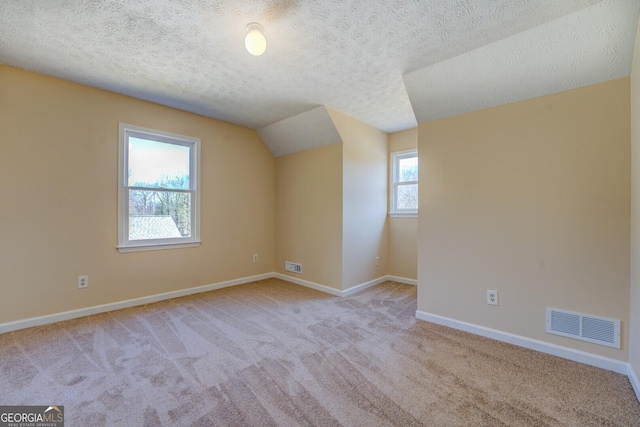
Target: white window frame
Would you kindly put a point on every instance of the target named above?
(394, 211)
(126, 245)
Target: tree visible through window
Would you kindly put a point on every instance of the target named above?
(158, 199)
(404, 182)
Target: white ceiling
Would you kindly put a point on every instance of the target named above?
(348, 55)
(313, 128)
(587, 47)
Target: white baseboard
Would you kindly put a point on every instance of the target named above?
(308, 284)
(404, 280)
(357, 288)
(633, 378)
(74, 314)
(336, 292)
(541, 346)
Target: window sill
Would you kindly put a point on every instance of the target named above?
(403, 215)
(157, 247)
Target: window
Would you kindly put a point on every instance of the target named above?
(404, 183)
(159, 190)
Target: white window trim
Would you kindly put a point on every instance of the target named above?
(393, 184)
(124, 244)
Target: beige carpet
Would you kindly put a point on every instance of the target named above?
(272, 353)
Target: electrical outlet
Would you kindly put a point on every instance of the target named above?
(492, 297)
(83, 282)
(255, 257)
(377, 260)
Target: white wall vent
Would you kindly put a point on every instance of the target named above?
(293, 267)
(598, 330)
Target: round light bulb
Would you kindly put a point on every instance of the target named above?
(255, 42)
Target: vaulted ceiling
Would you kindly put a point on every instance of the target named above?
(389, 64)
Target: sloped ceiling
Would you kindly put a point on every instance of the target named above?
(587, 47)
(348, 55)
(313, 128)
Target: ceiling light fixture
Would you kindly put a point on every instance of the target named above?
(255, 42)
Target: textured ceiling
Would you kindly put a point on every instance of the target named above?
(313, 128)
(348, 55)
(587, 47)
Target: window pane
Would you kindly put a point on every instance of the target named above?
(408, 169)
(407, 196)
(159, 214)
(158, 164)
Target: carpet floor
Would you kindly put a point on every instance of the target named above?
(272, 353)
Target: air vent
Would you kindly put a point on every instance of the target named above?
(598, 330)
(293, 267)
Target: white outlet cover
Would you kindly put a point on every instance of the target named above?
(83, 282)
(492, 297)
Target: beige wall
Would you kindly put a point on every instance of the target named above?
(364, 200)
(403, 232)
(403, 140)
(58, 182)
(530, 199)
(309, 214)
(331, 207)
(634, 327)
